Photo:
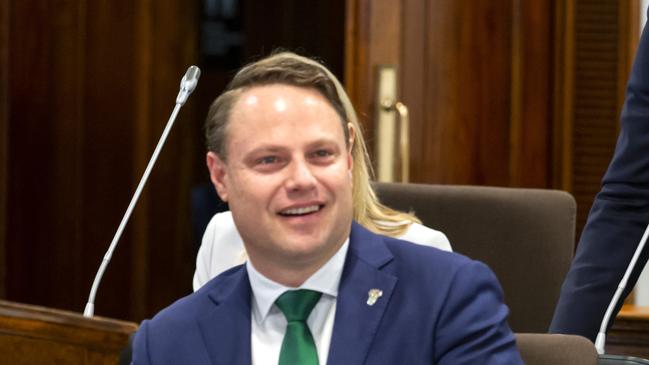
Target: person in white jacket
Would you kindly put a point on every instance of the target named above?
(222, 246)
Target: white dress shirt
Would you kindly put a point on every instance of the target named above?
(222, 246)
(268, 322)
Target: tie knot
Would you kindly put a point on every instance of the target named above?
(297, 304)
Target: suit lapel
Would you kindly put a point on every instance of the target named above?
(226, 330)
(356, 321)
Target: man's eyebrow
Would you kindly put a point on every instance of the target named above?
(265, 149)
(322, 142)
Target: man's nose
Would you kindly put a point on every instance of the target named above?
(300, 176)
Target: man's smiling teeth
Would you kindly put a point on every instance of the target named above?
(300, 211)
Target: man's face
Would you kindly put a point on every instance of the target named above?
(287, 177)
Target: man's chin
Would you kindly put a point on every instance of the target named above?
(305, 248)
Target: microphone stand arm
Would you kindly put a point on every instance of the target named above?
(187, 85)
(600, 341)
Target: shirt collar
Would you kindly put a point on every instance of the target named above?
(325, 280)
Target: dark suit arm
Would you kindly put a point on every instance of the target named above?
(140, 345)
(617, 219)
(473, 328)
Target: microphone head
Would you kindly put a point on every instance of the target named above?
(188, 83)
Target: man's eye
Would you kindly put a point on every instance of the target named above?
(267, 160)
(322, 153)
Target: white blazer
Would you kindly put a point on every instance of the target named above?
(222, 246)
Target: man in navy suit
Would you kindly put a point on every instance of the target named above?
(617, 219)
(317, 287)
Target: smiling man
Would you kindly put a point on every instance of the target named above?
(318, 288)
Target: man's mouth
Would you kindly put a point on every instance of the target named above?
(301, 210)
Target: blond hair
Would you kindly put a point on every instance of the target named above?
(289, 68)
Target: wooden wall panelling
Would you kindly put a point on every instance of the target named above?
(563, 95)
(373, 37)
(467, 78)
(595, 101)
(170, 261)
(413, 83)
(531, 94)
(4, 106)
(43, 187)
(109, 142)
(509, 93)
(476, 78)
(599, 72)
(355, 49)
(91, 85)
(153, 266)
(139, 265)
(385, 37)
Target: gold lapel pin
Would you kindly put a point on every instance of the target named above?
(373, 295)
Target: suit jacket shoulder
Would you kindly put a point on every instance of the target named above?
(210, 326)
(436, 307)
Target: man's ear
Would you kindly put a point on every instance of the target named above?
(216, 166)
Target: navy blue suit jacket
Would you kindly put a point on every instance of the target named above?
(437, 308)
(617, 219)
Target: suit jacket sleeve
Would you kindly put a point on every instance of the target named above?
(140, 349)
(617, 219)
(473, 325)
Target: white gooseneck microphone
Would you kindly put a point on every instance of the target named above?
(187, 85)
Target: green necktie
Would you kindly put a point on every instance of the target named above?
(298, 347)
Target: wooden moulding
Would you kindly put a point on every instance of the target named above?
(38, 335)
